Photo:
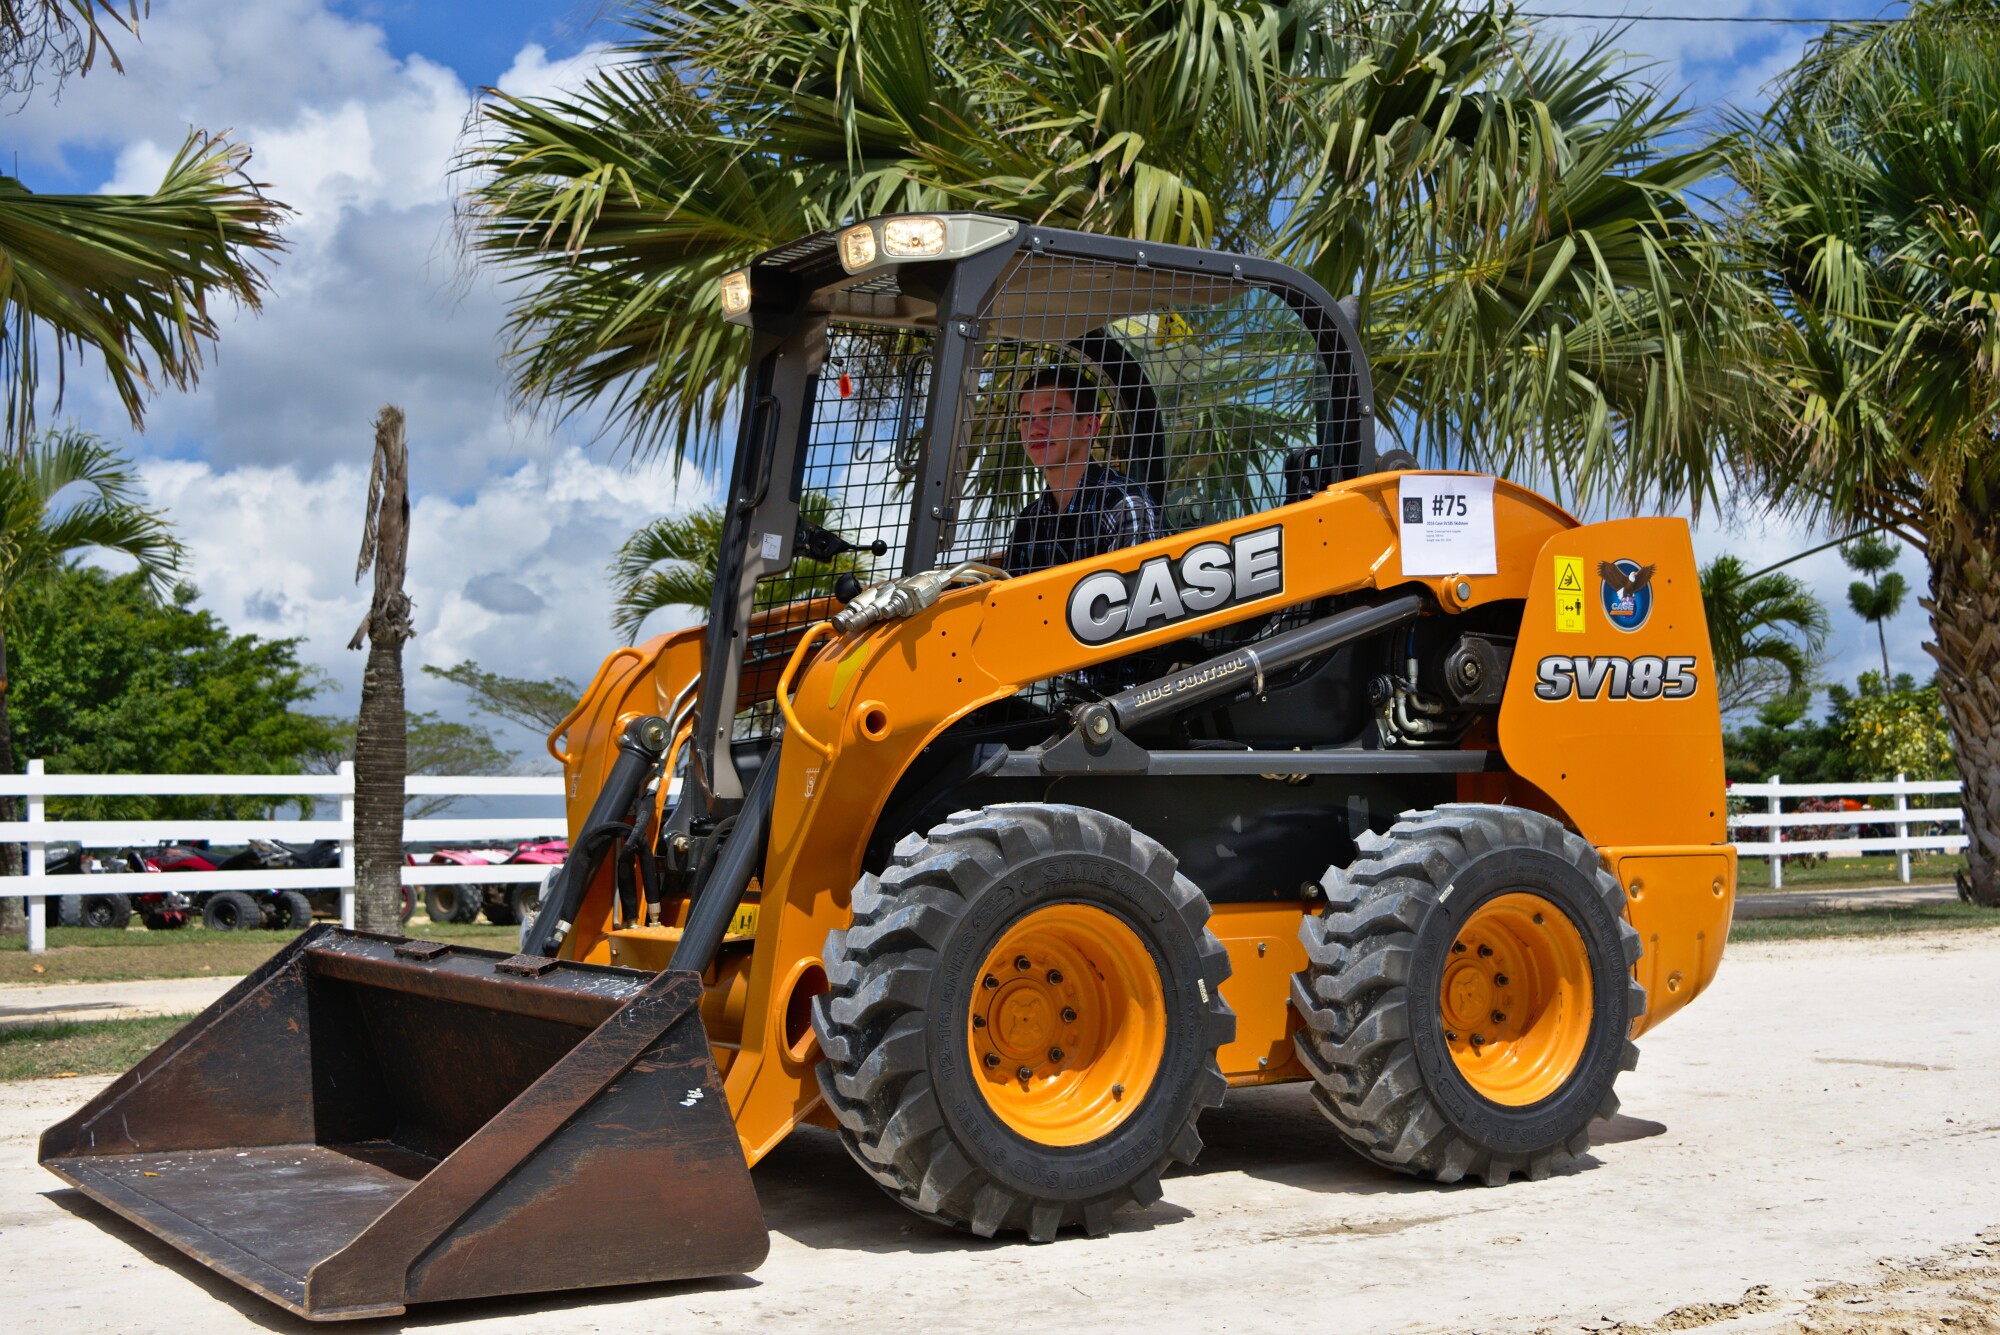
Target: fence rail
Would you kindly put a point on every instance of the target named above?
(1774, 821)
(37, 832)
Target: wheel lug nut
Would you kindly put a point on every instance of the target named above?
(1450, 1036)
(1055, 1054)
(991, 982)
(1499, 1017)
(1118, 1091)
(1055, 977)
(1022, 963)
(1478, 1039)
(1538, 920)
(1486, 952)
(1458, 947)
(1499, 980)
(1025, 1074)
(979, 1022)
(992, 1059)
(1069, 1015)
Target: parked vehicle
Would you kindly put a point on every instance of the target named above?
(504, 903)
(99, 909)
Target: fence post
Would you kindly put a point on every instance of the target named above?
(1777, 837)
(38, 867)
(1902, 830)
(347, 844)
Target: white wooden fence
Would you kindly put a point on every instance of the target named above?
(1774, 821)
(38, 832)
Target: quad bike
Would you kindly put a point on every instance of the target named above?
(505, 903)
(103, 909)
(1404, 785)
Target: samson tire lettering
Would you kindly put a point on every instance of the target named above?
(1610, 677)
(1108, 605)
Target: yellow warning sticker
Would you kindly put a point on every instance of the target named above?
(743, 925)
(1569, 595)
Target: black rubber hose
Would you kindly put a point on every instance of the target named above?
(639, 748)
(741, 856)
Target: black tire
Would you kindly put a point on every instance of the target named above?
(295, 911)
(109, 912)
(452, 903)
(63, 911)
(898, 1071)
(1376, 1038)
(500, 903)
(409, 904)
(231, 911)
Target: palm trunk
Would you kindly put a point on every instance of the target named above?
(13, 912)
(381, 739)
(381, 751)
(1888, 684)
(1965, 620)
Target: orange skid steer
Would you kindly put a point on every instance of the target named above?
(1089, 720)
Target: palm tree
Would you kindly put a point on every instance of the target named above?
(381, 732)
(1881, 596)
(1536, 290)
(671, 562)
(1868, 200)
(131, 277)
(67, 491)
(1766, 630)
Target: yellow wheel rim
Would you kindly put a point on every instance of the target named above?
(1068, 1025)
(1516, 999)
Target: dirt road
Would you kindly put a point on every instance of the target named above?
(1814, 1146)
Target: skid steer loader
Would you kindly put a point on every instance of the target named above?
(1130, 730)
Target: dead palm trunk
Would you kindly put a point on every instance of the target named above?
(381, 741)
(13, 912)
(1965, 620)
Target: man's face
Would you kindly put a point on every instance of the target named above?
(1054, 433)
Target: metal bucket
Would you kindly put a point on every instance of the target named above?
(367, 1122)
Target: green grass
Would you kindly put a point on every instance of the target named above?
(1753, 875)
(87, 955)
(1865, 922)
(73, 1047)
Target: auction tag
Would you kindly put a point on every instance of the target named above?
(773, 544)
(1447, 524)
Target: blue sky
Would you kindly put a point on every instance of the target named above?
(354, 109)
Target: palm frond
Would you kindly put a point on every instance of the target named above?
(132, 278)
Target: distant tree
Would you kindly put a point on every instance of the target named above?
(1766, 633)
(1880, 597)
(435, 745)
(108, 678)
(536, 705)
(66, 492)
(381, 736)
(1897, 729)
(1784, 739)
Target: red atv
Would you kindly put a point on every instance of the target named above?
(505, 903)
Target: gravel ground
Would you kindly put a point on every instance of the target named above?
(1813, 1146)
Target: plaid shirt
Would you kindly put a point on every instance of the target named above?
(1109, 511)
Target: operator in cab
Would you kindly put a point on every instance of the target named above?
(1087, 508)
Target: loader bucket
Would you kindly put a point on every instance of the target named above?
(367, 1122)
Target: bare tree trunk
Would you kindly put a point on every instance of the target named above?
(1965, 619)
(381, 739)
(13, 912)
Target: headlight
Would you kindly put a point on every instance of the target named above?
(857, 248)
(907, 237)
(736, 292)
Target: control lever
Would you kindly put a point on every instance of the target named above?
(823, 544)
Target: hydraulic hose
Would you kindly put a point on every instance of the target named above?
(741, 856)
(639, 748)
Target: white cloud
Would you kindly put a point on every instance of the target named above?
(272, 551)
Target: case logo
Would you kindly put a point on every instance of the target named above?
(1108, 605)
(1627, 591)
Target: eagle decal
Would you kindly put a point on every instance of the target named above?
(1626, 592)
